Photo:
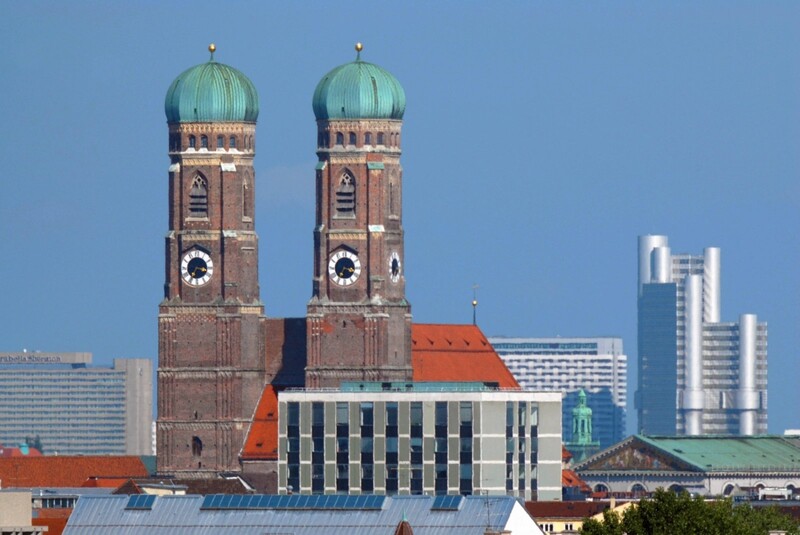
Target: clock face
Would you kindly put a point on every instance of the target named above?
(344, 268)
(394, 266)
(196, 268)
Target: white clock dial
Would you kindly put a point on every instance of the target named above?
(196, 268)
(344, 268)
(394, 266)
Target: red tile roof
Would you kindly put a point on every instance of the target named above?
(55, 526)
(105, 482)
(566, 510)
(66, 470)
(456, 353)
(262, 440)
(571, 479)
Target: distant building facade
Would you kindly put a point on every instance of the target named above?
(596, 365)
(72, 408)
(697, 375)
(415, 438)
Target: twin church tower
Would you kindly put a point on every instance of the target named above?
(217, 348)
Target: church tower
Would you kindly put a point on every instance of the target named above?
(358, 322)
(210, 323)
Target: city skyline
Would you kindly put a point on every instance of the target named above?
(539, 143)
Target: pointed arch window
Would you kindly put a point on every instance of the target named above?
(198, 197)
(346, 195)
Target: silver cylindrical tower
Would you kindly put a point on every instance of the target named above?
(747, 396)
(693, 392)
(711, 284)
(646, 244)
(661, 265)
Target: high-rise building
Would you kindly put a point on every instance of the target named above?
(596, 365)
(697, 375)
(69, 407)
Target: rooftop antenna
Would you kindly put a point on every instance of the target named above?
(475, 304)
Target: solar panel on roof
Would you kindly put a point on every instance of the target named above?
(141, 501)
(447, 503)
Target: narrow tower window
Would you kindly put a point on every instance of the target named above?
(247, 198)
(380, 138)
(368, 138)
(339, 138)
(198, 198)
(192, 142)
(346, 195)
(352, 140)
(197, 447)
(232, 142)
(220, 142)
(203, 142)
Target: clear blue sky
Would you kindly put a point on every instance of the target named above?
(540, 140)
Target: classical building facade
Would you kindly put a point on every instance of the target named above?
(697, 374)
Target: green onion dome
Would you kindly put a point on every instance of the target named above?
(211, 92)
(359, 90)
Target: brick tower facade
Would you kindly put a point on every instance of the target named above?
(210, 323)
(358, 321)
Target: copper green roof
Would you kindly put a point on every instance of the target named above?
(722, 453)
(211, 92)
(359, 90)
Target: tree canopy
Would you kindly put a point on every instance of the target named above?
(667, 513)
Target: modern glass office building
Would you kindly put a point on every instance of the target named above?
(72, 408)
(697, 374)
(420, 438)
(596, 365)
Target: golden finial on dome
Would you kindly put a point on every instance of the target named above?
(359, 48)
(212, 48)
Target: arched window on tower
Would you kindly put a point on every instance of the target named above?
(247, 198)
(232, 142)
(197, 447)
(339, 138)
(198, 198)
(203, 142)
(220, 142)
(391, 198)
(380, 138)
(368, 138)
(352, 139)
(192, 142)
(346, 195)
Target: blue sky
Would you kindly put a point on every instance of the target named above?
(540, 140)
